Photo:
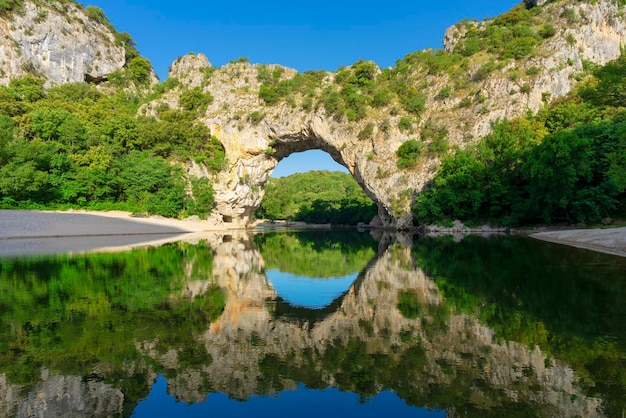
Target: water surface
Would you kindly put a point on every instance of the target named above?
(315, 322)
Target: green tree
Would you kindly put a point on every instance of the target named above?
(195, 100)
(140, 69)
(554, 170)
(28, 88)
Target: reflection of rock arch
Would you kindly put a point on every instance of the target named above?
(253, 329)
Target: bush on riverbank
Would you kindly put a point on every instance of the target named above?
(74, 146)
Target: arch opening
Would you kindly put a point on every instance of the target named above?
(313, 187)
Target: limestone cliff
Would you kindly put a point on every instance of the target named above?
(257, 135)
(57, 41)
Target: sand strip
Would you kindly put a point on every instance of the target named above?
(46, 232)
(610, 241)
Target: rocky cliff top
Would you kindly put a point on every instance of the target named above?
(58, 41)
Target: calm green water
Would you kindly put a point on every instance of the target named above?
(316, 322)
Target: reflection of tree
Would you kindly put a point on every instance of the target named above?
(317, 253)
(71, 314)
(567, 300)
(394, 329)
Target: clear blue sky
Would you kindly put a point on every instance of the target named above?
(318, 35)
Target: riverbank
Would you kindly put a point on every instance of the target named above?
(26, 232)
(610, 240)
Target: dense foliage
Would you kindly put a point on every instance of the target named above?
(316, 197)
(73, 145)
(567, 163)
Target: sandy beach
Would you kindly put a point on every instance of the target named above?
(46, 232)
(610, 241)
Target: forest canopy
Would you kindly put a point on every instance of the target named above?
(73, 145)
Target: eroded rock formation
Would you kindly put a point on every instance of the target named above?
(257, 136)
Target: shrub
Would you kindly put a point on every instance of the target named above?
(413, 102)
(405, 123)
(256, 117)
(444, 93)
(547, 31)
(367, 132)
(332, 102)
(268, 94)
(195, 100)
(534, 70)
(10, 5)
(483, 72)
(381, 97)
(519, 47)
(139, 70)
(97, 14)
(408, 153)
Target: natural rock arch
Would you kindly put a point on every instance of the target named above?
(256, 136)
(240, 188)
(254, 148)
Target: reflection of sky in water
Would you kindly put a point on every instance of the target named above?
(297, 403)
(308, 292)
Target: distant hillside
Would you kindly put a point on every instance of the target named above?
(316, 197)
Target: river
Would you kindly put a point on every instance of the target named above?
(315, 323)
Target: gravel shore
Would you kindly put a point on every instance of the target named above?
(610, 241)
(41, 232)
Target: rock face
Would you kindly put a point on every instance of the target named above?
(256, 136)
(57, 42)
(66, 396)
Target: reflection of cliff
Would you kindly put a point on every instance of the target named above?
(393, 329)
(60, 396)
(432, 358)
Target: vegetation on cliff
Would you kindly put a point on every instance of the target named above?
(567, 163)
